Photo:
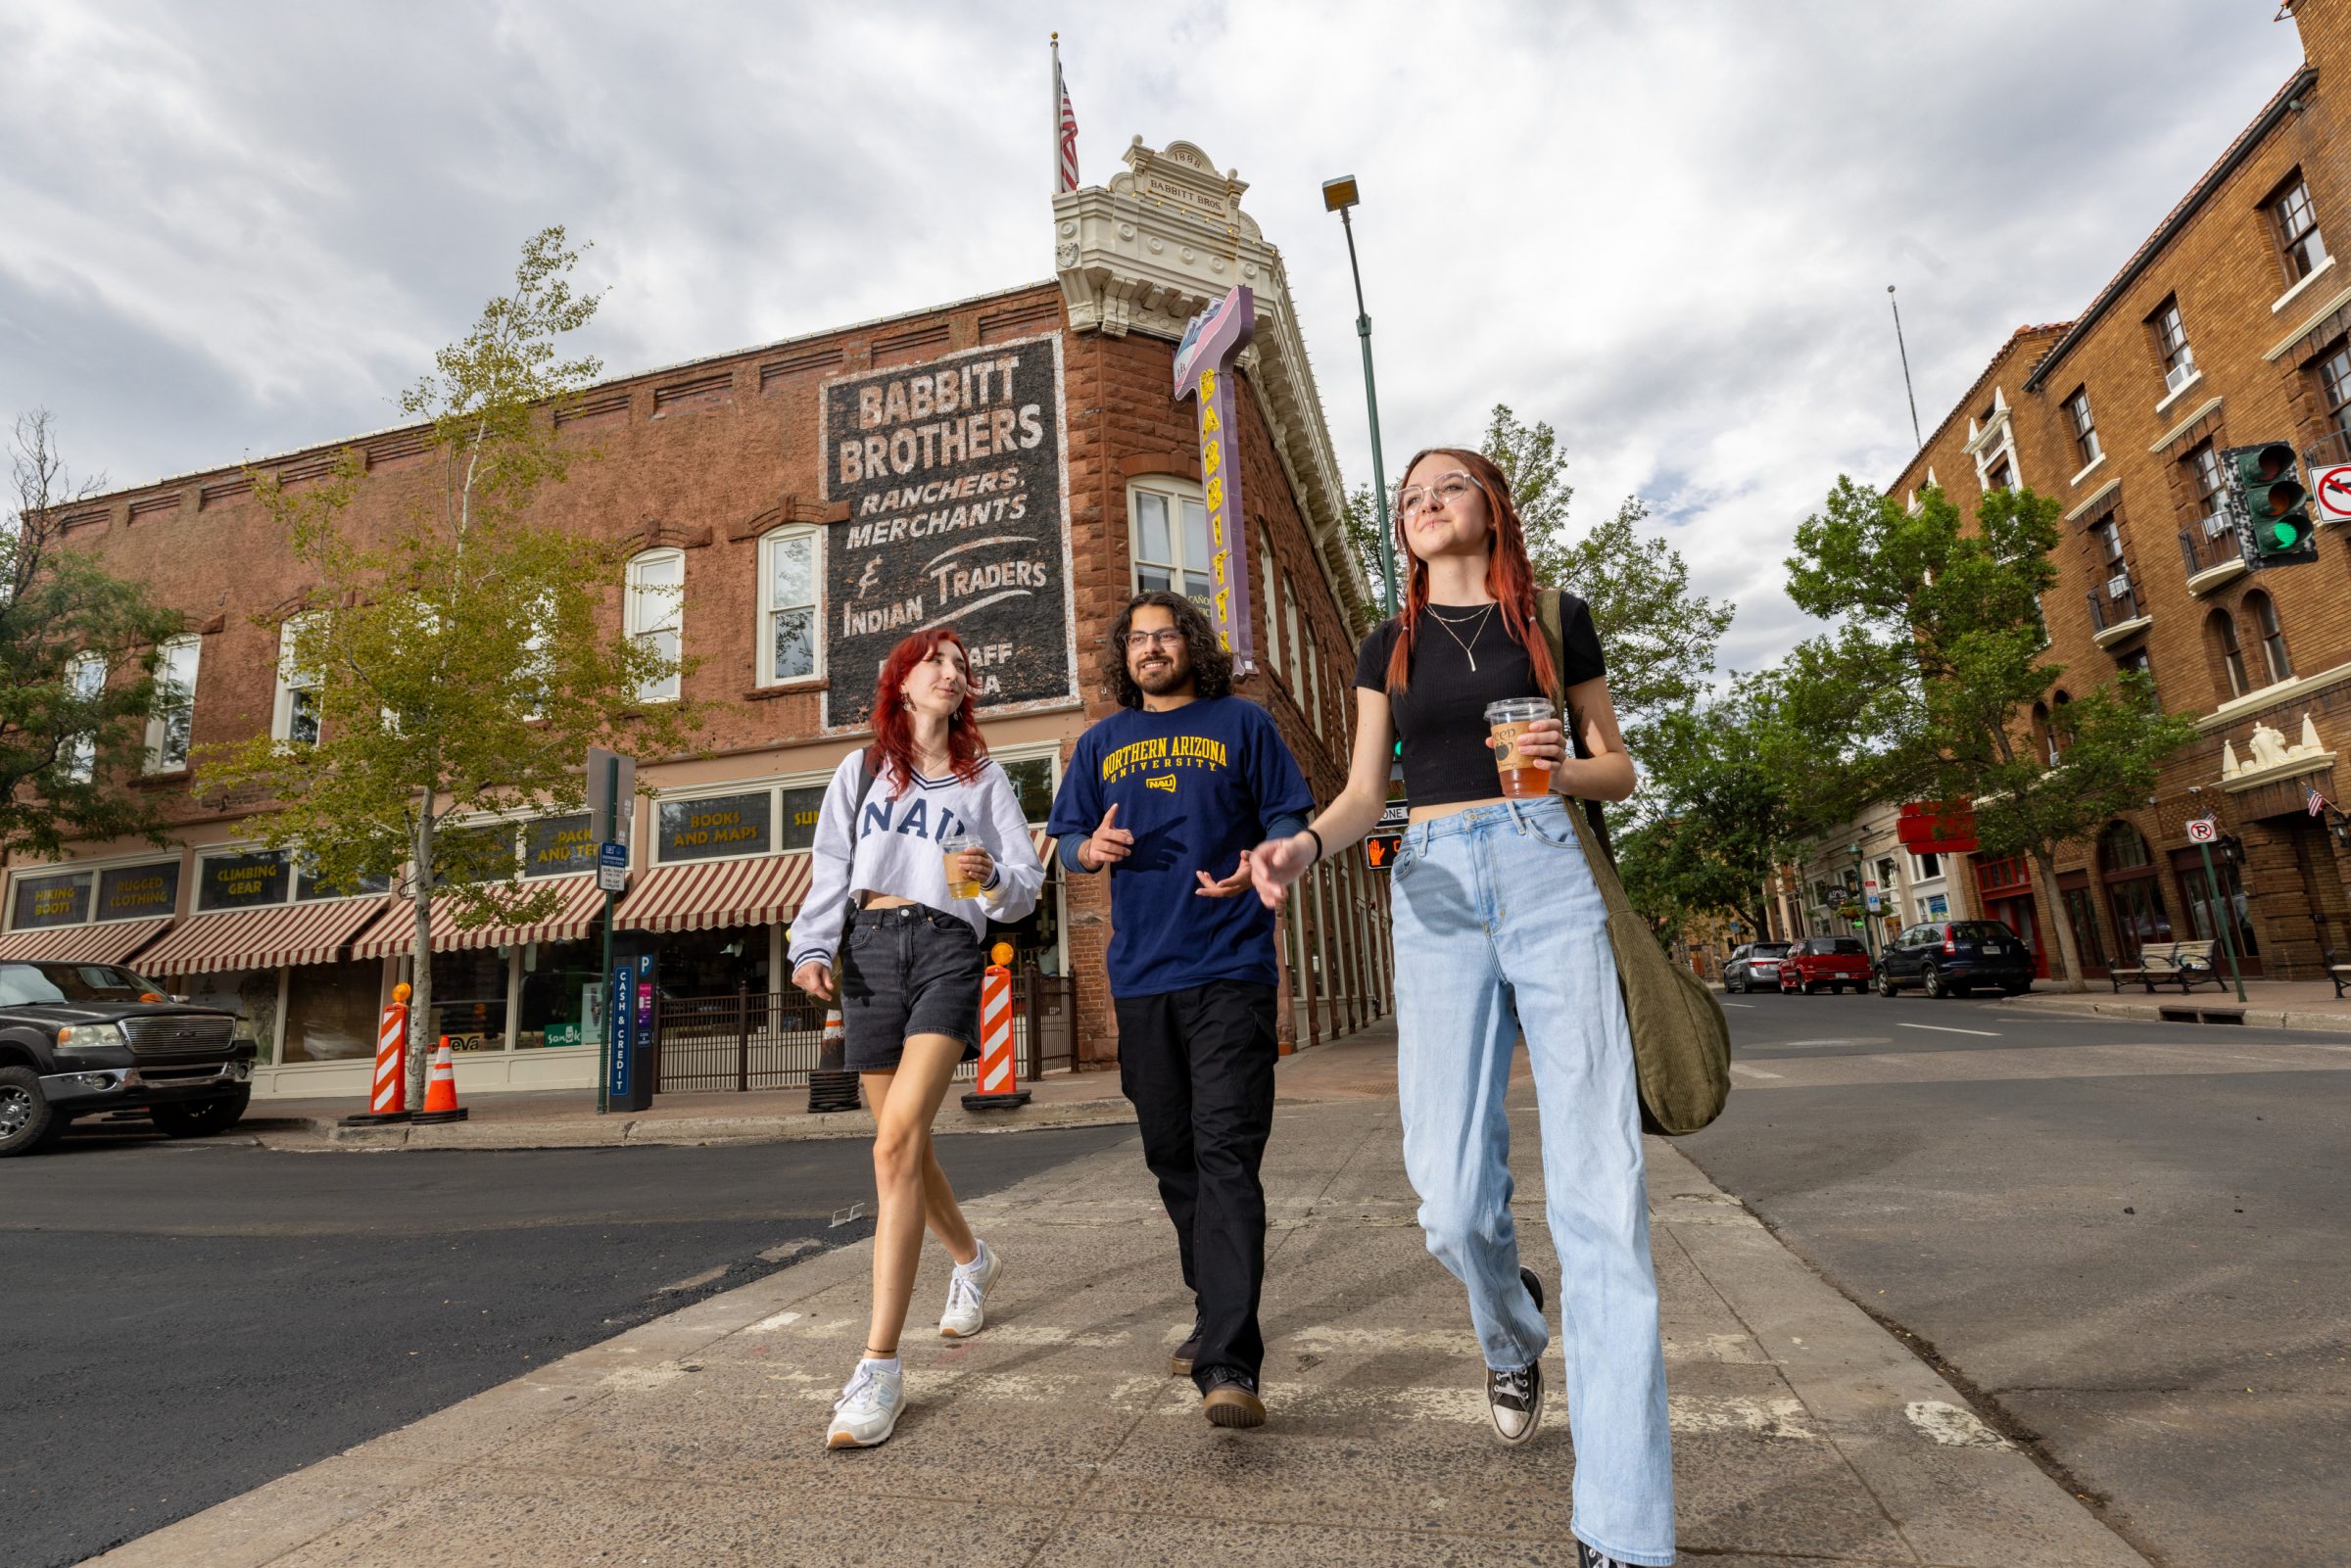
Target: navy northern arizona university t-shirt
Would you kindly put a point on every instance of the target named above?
(1196, 785)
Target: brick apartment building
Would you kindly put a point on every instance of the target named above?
(2230, 326)
(716, 476)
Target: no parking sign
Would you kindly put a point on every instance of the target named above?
(2202, 831)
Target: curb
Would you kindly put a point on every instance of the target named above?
(2190, 1010)
(314, 1134)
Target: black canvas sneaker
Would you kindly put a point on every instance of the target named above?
(1179, 1363)
(1229, 1399)
(1515, 1399)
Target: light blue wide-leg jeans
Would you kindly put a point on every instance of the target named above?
(1500, 931)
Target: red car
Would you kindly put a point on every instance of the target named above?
(1825, 962)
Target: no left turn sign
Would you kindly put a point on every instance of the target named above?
(2334, 491)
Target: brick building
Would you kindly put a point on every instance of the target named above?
(788, 574)
(2230, 326)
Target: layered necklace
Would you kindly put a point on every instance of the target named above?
(1477, 623)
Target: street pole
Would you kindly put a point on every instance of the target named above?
(2212, 889)
(1380, 473)
(604, 835)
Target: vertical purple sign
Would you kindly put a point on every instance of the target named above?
(1212, 340)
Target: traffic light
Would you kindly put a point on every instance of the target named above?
(2268, 486)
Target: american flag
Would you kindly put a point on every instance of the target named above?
(1065, 140)
(2316, 802)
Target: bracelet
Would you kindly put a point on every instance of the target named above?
(1319, 852)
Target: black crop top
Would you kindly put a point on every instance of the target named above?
(1441, 713)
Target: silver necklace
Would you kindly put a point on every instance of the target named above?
(1457, 636)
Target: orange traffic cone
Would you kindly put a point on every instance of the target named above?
(441, 1088)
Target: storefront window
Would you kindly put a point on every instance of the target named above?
(250, 994)
(1032, 782)
(559, 846)
(554, 1012)
(332, 1010)
(2087, 942)
(2202, 908)
(40, 901)
(717, 962)
(243, 881)
(716, 826)
(798, 817)
(469, 1000)
(128, 893)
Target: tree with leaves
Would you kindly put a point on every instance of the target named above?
(1658, 636)
(1924, 684)
(77, 653)
(456, 655)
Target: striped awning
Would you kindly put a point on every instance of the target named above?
(1046, 850)
(108, 943)
(260, 938)
(394, 935)
(725, 892)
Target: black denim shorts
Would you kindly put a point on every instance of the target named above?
(907, 969)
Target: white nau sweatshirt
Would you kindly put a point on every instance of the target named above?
(894, 849)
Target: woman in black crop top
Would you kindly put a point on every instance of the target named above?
(1500, 935)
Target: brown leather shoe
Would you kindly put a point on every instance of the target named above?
(1179, 1364)
(1231, 1399)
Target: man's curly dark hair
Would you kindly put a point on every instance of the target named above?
(1212, 663)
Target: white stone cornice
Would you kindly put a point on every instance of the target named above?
(1151, 250)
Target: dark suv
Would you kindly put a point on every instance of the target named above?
(1952, 957)
(84, 1039)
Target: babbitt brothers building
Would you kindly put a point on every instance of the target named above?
(1015, 465)
(2228, 330)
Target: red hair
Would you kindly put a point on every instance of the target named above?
(893, 727)
(1509, 576)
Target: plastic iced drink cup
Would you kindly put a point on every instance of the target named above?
(958, 884)
(1521, 775)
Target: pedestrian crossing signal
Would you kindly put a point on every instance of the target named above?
(1380, 848)
(2268, 486)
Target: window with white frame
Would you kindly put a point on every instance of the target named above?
(295, 716)
(1168, 538)
(85, 678)
(1289, 598)
(1264, 564)
(173, 717)
(2170, 346)
(2086, 428)
(1927, 866)
(656, 614)
(1314, 685)
(2297, 229)
(789, 647)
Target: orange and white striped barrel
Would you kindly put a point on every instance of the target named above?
(999, 1084)
(391, 1060)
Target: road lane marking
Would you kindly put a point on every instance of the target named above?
(1739, 1003)
(1988, 1034)
(1754, 1072)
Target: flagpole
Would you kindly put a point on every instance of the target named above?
(1055, 138)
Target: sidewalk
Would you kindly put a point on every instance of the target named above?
(1803, 1432)
(567, 1119)
(2268, 1004)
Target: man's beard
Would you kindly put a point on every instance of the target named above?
(1167, 678)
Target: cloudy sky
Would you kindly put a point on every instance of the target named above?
(232, 229)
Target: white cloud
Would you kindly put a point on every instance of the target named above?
(1667, 230)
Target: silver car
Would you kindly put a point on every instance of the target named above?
(1754, 967)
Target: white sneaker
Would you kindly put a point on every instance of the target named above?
(867, 1411)
(967, 1296)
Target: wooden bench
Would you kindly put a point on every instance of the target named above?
(2187, 964)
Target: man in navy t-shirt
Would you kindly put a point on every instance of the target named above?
(1170, 794)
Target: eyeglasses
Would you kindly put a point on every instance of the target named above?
(1169, 638)
(1415, 500)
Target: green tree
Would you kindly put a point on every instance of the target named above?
(1658, 636)
(78, 655)
(458, 662)
(1938, 650)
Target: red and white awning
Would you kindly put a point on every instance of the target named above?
(761, 892)
(260, 938)
(108, 943)
(394, 934)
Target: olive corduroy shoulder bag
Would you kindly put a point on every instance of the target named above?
(1681, 1035)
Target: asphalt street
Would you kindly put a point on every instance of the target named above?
(2127, 1238)
(185, 1321)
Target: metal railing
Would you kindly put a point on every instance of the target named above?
(771, 1040)
(2107, 611)
(2202, 548)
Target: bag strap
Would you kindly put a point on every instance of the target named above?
(1549, 612)
(865, 788)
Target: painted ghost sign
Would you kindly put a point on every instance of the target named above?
(1204, 361)
(958, 516)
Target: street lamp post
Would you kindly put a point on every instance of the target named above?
(1338, 195)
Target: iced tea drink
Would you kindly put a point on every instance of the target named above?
(951, 848)
(1521, 775)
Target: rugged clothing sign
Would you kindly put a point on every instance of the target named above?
(958, 516)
